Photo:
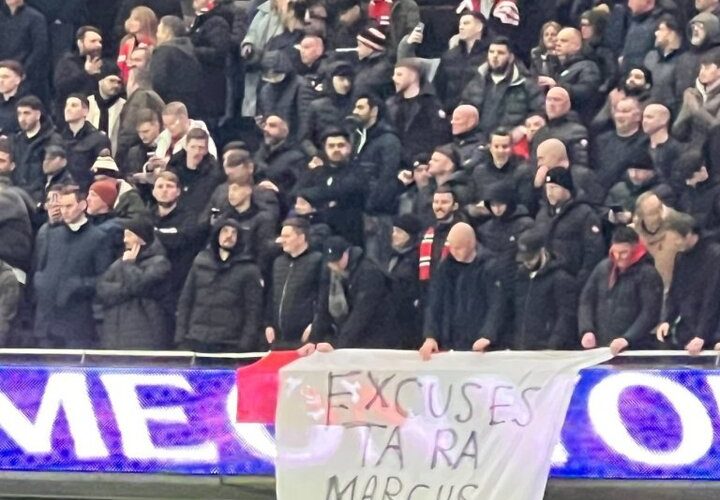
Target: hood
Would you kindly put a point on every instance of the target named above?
(382, 128)
(639, 253)
(502, 192)
(711, 24)
(239, 252)
(514, 75)
(154, 249)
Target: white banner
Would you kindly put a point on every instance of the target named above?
(384, 425)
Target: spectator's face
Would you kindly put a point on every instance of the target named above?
(403, 78)
(498, 209)
(469, 28)
(556, 104)
(53, 164)
(443, 205)
(131, 239)
(13, 3)
(342, 85)
(364, 112)
(71, 209)
(148, 132)
(461, 121)
(532, 125)
(74, 110)
(439, 164)
(196, 149)
(165, 192)
(242, 172)
(9, 81)
(337, 149)
(500, 148)
(239, 195)
(708, 74)
(227, 239)
(639, 176)
(653, 120)
(96, 206)
(132, 25)
(303, 207)
(291, 240)
(697, 34)
(340, 265)
(91, 44)
(499, 57)
(274, 130)
(6, 163)
(163, 34)
(550, 38)
(652, 211)
(421, 175)
(636, 79)
(311, 48)
(363, 51)
(626, 116)
(176, 125)
(111, 86)
(567, 43)
(622, 254)
(640, 6)
(52, 207)
(399, 238)
(28, 118)
(556, 194)
(663, 36)
(198, 5)
(586, 29)
(137, 58)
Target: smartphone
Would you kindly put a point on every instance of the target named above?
(617, 208)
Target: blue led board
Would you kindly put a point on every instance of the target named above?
(655, 424)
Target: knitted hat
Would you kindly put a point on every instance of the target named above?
(335, 247)
(142, 228)
(105, 165)
(373, 38)
(342, 69)
(560, 176)
(500, 192)
(408, 223)
(108, 69)
(641, 160)
(451, 152)
(107, 190)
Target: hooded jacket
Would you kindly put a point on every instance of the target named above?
(29, 153)
(688, 63)
(221, 302)
(130, 294)
(626, 306)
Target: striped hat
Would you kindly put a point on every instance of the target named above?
(373, 38)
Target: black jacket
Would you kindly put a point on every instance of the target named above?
(258, 230)
(466, 302)
(130, 295)
(83, 149)
(692, 303)
(16, 232)
(68, 266)
(282, 164)
(24, 38)
(283, 99)
(703, 203)
(371, 318)
(176, 74)
(630, 309)
(197, 185)
(571, 132)
(380, 156)
(457, 68)
(221, 302)
(374, 75)
(515, 172)
(295, 286)
(505, 103)
(611, 152)
(29, 154)
(545, 308)
(420, 122)
(407, 294)
(573, 234)
(582, 79)
(71, 77)
(499, 236)
(8, 113)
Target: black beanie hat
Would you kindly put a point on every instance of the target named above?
(560, 176)
(408, 223)
(142, 228)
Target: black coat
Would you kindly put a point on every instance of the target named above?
(221, 302)
(573, 234)
(258, 230)
(265, 199)
(371, 319)
(316, 115)
(630, 309)
(24, 38)
(571, 132)
(338, 192)
(71, 78)
(407, 294)
(466, 302)
(83, 149)
(457, 68)
(692, 303)
(663, 69)
(8, 113)
(16, 232)
(282, 165)
(515, 172)
(639, 39)
(210, 35)
(68, 266)
(611, 152)
(542, 64)
(703, 203)
(29, 154)
(582, 79)
(130, 295)
(177, 75)
(420, 122)
(505, 103)
(294, 291)
(197, 185)
(499, 236)
(545, 308)
(283, 99)
(374, 75)
(381, 157)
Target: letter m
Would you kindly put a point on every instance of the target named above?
(334, 492)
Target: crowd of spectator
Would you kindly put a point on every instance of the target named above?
(218, 176)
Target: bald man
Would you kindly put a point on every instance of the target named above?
(467, 303)
(564, 126)
(468, 140)
(553, 153)
(579, 75)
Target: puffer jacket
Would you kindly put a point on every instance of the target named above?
(221, 302)
(457, 69)
(130, 294)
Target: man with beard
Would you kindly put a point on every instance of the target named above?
(415, 111)
(278, 159)
(433, 246)
(338, 187)
(563, 124)
(503, 95)
(106, 105)
(78, 72)
(637, 83)
(466, 303)
(612, 149)
(221, 305)
(579, 75)
(704, 38)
